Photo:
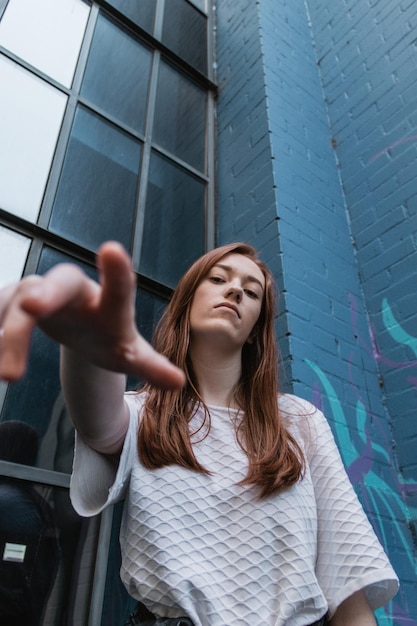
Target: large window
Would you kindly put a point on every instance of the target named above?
(106, 132)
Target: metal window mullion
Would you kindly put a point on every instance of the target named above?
(211, 43)
(159, 19)
(3, 7)
(64, 135)
(183, 164)
(210, 193)
(35, 474)
(100, 568)
(144, 169)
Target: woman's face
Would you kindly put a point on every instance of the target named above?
(227, 303)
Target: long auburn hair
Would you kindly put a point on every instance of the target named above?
(275, 460)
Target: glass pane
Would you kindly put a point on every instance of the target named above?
(200, 4)
(149, 309)
(117, 74)
(96, 195)
(180, 117)
(141, 13)
(46, 33)
(14, 249)
(174, 222)
(31, 113)
(46, 544)
(185, 32)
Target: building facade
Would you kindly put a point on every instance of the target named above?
(173, 125)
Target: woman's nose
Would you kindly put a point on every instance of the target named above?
(235, 291)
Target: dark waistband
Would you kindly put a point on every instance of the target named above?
(143, 617)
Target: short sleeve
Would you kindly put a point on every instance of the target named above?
(349, 556)
(95, 481)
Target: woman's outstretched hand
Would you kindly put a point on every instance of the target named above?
(96, 320)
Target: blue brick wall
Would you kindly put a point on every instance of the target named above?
(285, 186)
(368, 67)
(246, 187)
(369, 72)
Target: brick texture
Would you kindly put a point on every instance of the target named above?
(316, 156)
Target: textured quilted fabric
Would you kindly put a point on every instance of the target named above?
(205, 547)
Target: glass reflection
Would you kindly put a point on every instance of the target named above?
(96, 195)
(117, 74)
(185, 32)
(46, 33)
(174, 221)
(43, 542)
(31, 113)
(141, 13)
(13, 252)
(180, 117)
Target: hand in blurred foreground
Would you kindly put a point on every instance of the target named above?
(96, 320)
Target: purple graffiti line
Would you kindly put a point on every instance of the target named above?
(374, 351)
(400, 142)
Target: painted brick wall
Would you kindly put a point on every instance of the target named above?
(246, 198)
(368, 65)
(368, 62)
(280, 188)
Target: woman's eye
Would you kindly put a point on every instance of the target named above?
(216, 279)
(251, 294)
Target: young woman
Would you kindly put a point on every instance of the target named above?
(238, 510)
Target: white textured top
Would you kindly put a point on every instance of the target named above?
(204, 547)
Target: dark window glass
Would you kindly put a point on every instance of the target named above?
(149, 309)
(141, 12)
(180, 117)
(117, 74)
(41, 522)
(117, 604)
(185, 33)
(96, 195)
(174, 221)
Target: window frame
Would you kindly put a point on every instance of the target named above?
(41, 236)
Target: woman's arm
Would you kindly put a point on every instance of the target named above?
(94, 399)
(354, 611)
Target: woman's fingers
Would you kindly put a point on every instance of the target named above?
(16, 331)
(24, 305)
(64, 287)
(144, 361)
(14, 347)
(118, 284)
(117, 298)
(96, 320)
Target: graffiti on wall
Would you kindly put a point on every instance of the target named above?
(362, 457)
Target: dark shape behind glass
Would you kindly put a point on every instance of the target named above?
(185, 33)
(174, 222)
(96, 195)
(117, 74)
(29, 546)
(180, 117)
